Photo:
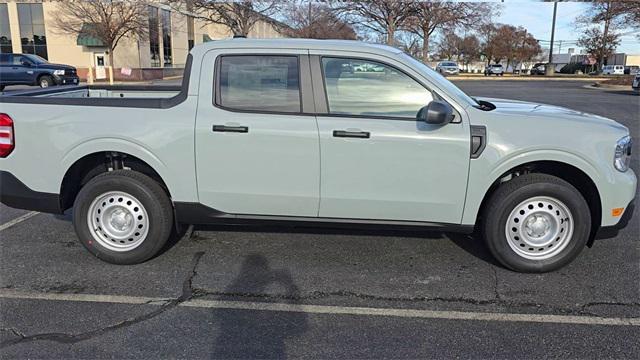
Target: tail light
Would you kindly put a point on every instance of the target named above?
(7, 139)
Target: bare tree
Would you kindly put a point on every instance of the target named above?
(106, 20)
(410, 44)
(469, 49)
(384, 17)
(602, 20)
(448, 47)
(514, 44)
(430, 16)
(238, 16)
(632, 16)
(596, 43)
(490, 41)
(316, 21)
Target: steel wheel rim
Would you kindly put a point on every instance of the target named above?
(44, 84)
(118, 221)
(539, 228)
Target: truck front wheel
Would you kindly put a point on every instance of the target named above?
(123, 217)
(46, 81)
(536, 223)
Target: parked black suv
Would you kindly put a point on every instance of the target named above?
(28, 69)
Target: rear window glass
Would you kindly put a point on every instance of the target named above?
(259, 83)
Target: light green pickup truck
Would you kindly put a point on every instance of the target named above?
(307, 132)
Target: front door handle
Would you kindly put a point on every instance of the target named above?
(233, 129)
(351, 134)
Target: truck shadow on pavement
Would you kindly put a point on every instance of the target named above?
(258, 334)
(470, 243)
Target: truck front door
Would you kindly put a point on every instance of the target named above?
(257, 145)
(378, 162)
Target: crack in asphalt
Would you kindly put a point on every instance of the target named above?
(187, 294)
(14, 331)
(495, 285)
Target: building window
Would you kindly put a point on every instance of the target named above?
(166, 38)
(268, 83)
(154, 37)
(191, 32)
(5, 31)
(32, 31)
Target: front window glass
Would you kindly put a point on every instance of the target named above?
(260, 83)
(439, 81)
(369, 88)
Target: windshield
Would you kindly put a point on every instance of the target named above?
(496, 65)
(441, 81)
(35, 58)
(449, 64)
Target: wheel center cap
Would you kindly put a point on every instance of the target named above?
(121, 220)
(537, 226)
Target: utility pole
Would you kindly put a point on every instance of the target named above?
(550, 68)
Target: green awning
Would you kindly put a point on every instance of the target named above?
(87, 38)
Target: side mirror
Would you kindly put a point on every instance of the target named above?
(26, 64)
(436, 113)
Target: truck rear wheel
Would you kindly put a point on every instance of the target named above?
(123, 217)
(536, 223)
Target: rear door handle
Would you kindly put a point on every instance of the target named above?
(233, 129)
(351, 134)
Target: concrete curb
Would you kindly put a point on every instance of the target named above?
(524, 78)
(608, 87)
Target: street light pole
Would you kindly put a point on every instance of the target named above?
(550, 68)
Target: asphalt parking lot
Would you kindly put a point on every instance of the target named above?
(229, 292)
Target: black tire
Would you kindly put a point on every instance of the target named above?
(45, 82)
(154, 201)
(1, 88)
(512, 193)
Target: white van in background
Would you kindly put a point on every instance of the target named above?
(613, 70)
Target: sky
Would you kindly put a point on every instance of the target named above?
(537, 17)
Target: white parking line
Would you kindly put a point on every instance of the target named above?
(18, 220)
(334, 310)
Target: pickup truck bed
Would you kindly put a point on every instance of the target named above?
(139, 96)
(97, 91)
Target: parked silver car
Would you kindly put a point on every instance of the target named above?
(494, 69)
(447, 68)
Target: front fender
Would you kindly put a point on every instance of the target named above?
(483, 174)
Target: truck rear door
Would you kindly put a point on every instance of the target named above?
(257, 142)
